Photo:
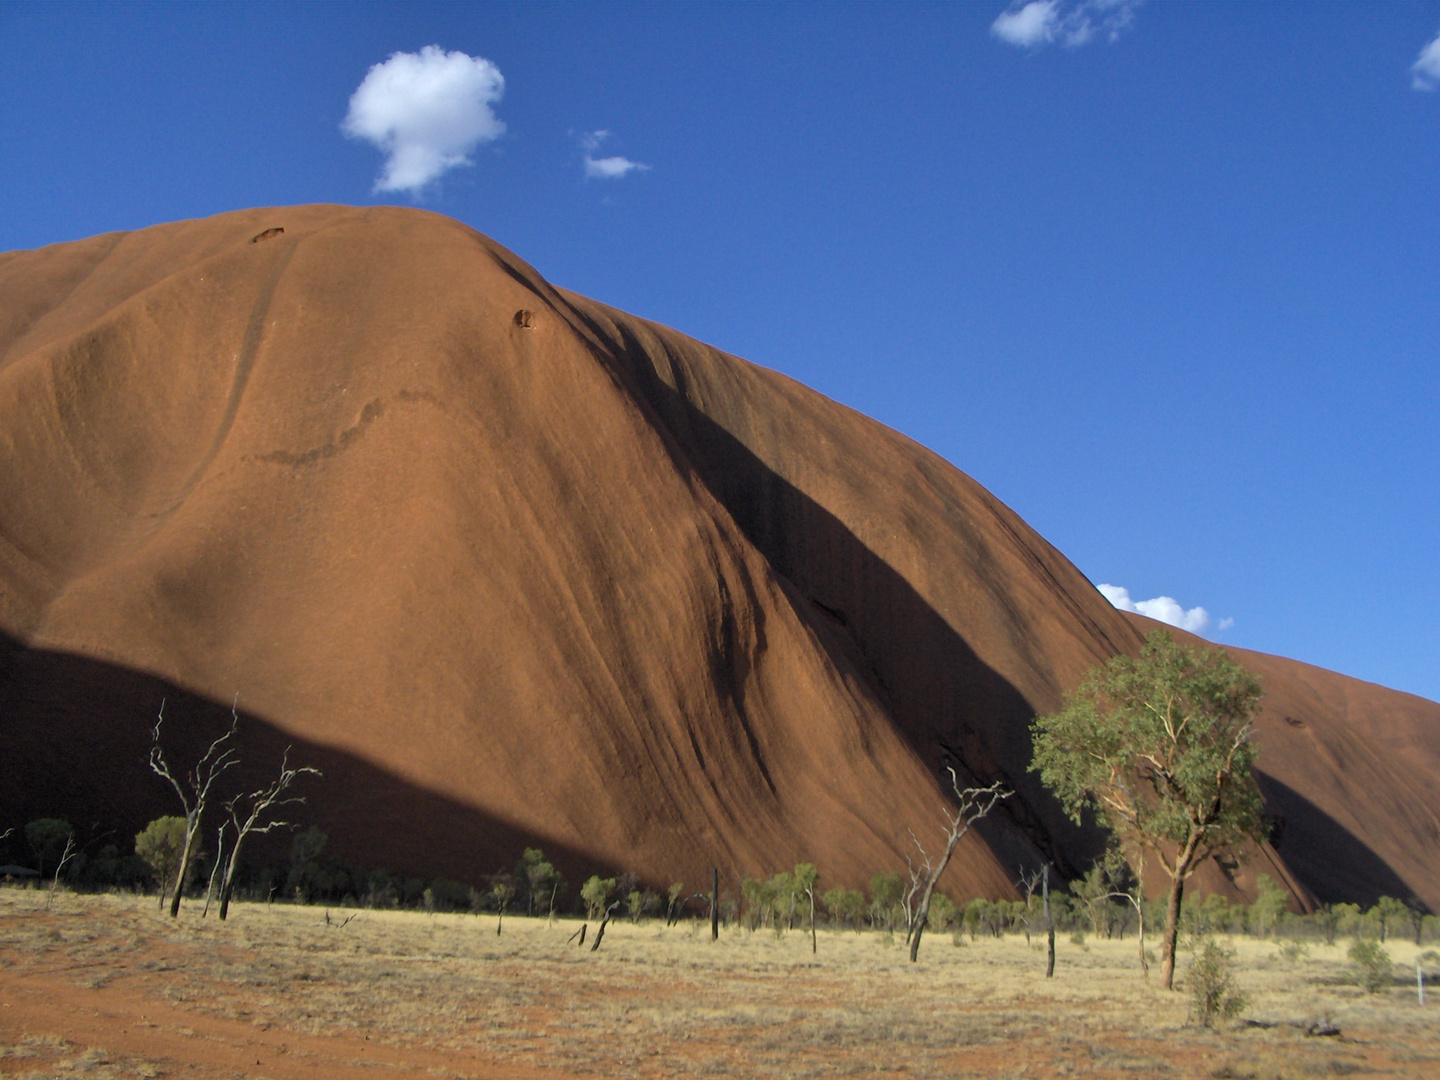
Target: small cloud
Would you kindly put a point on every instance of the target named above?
(1027, 26)
(1425, 72)
(607, 168)
(426, 111)
(1164, 608)
(1069, 22)
(610, 168)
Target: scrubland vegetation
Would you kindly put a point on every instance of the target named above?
(782, 974)
(445, 994)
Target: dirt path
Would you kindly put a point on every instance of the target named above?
(127, 1021)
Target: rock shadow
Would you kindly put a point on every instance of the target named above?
(75, 736)
(1334, 864)
(946, 702)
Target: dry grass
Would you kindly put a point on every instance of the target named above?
(656, 1001)
(48, 1057)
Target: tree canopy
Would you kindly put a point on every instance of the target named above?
(1158, 747)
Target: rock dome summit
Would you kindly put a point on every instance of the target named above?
(513, 567)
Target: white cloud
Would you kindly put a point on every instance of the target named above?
(607, 168)
(1027, 26)
(610, 168)
(1165, 608)
(1069, 22)
(427, 111)
(1425, 72)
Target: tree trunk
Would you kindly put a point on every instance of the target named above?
(1140, 915)
(915, 939)
(1049, 923)
(714, 903)
(814, 948)
(1172, 930)
(600, 930)
(923, 913)
(227, 888)
(219, 853)
(185, 853)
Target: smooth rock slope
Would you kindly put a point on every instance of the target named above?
(514, 567)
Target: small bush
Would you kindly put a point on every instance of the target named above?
(159, 844)
(1213, 996)
(596, 893)
(48, 839)
(1373, 969)
(1293, 951)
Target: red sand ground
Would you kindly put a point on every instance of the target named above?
(112, 988)
(514, 567)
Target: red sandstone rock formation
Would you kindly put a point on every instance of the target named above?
(569, 578)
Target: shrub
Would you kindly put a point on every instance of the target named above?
(159, 844)
(1293, 951)
(1213, 996)
(885, 892)
(846, 906)
(596, 894)
(448, 895)
(48, 838)
(1371, 963)
(1268, 907)
(1387, 914)
(538, 876)
(635, 904)
(943, 912)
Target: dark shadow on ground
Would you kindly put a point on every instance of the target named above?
(75, 736)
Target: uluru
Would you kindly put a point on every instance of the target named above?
(516, 568)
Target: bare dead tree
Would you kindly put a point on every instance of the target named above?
(215, 870)
(193, 787)
(974, 803)
(675, 904)
(810, 892)
(1030, 882)
(1135, 902)
(254, 813)
(714, 903)
(69, 853)
(600, 930)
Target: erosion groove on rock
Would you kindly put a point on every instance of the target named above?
(514, 567)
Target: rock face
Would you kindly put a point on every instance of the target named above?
(513, 567)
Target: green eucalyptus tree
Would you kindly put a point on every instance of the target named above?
(1159, 748)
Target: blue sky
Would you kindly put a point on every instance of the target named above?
(1161, 276)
